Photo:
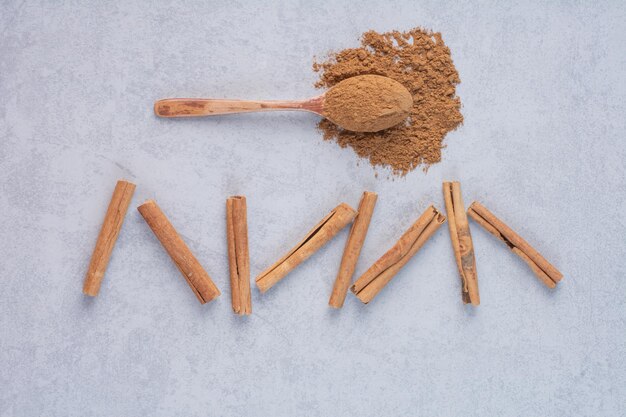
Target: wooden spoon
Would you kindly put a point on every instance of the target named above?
(375, 104)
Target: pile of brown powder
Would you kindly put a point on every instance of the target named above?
(419, 60)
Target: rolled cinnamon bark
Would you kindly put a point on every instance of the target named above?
(385, 268)
(238, 254)
(197, 278)
(461, 239)
(544, 270)
(317, 237)
(353, 249)
(109, 232)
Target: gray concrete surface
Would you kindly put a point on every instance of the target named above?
(542, 145)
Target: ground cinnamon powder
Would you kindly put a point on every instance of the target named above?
(419, 60)
(367, 103)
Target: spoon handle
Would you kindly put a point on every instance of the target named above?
(194, 107)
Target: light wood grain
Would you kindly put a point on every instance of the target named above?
(462, 244)
(317, 237)
(195, 275)
(385, 268)
(238, 254)
(109, 232)
(544, 270)
(194, 107)
(352, 250)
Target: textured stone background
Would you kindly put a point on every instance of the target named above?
(543, 146)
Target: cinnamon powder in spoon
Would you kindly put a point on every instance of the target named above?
(367, 103)
(419, 60)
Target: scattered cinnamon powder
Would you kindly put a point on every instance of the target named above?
(419, 60)
(367, 103)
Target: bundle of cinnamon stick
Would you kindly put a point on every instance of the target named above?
(365, 288)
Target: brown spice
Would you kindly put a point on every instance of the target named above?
(367, 103)
(419, 60)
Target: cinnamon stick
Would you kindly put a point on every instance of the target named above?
(238, 254)
(544, 270)
(354, 244)
(187, 264)
(317, 237)
(461, 242)
(109, 232)
(385, 268)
